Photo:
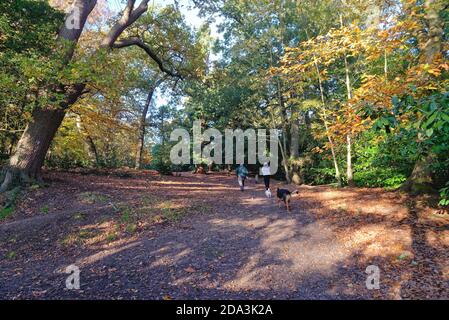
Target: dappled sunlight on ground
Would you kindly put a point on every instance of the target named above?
(198, 236)
(378, 240)
(390, 230)
(115, 248)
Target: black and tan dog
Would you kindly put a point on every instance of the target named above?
(285, 196)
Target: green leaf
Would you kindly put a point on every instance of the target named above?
(429, 121)
(445, 117)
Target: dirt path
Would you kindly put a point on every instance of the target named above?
(205, 240)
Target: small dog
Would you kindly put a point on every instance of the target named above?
(268, 193)
(285, 196)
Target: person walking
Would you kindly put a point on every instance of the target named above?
(266, 173)
(242, 174)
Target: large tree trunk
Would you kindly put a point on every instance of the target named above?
(33, 145)
(30, 153)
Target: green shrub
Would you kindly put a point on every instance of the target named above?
(379, 177)
(6, 212)
(444, 196)
(319, 176)
(10, 203)
(161, 159)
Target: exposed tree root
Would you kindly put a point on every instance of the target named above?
(12, 177)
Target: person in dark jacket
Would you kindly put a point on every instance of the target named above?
(242, 174)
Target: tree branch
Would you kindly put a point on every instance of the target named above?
(130, 15)
(139, 43)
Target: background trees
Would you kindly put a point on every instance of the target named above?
(364, 80)
(359, 88)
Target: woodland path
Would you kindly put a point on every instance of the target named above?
(230, 244)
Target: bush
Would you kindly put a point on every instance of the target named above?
(379, 177)
(8, 202)
(161, 159)
(444, 196)
(318, 176)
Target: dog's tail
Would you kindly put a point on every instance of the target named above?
(295, 192)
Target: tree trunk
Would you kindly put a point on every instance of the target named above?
(349, 175)
(285, 160)
(421, 180)
(89, 142)
(12, 144)
(92, 149)
(73, 26)
(3, 146)
(294, 148)
(32, 147)
(143, 124)
(283, 146)
(162, 126)
(326, 126)
(431, 41)
(349, 171)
